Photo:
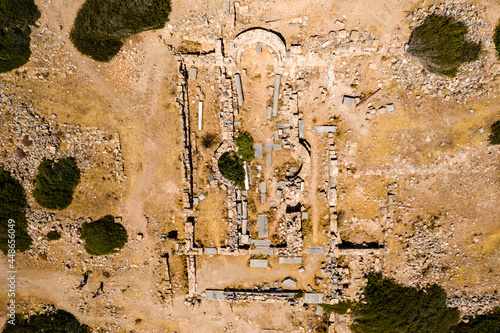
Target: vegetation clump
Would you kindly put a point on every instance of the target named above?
(100, 25)
(486, 323)
(494, 137)
(13, 207)
(208, 140)
(391, 307)
(16, 16)
(57, 321)
(300, 294)
(53, 235)
(496, 39)
(55, 183)
(440, 45)
(339, 308)
(103, 236)
(244, 142)
(231, 167)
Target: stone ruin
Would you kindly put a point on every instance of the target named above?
(291, 188)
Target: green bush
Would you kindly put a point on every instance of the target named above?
(300, 294)
(486, 323)
(390, 307)
(55, 183)
(440, 45)
(54, 322)
(494, 137)
(53, 235)
(496, 39)
(13, 206)
(16, 16)
(339, 308)
(103, 236)
(244, 142)
(231, 167)
(100, 25)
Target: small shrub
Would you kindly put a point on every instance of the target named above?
(231, 167)
(339, 308)
(104, 236)
(299, 294)
(58, 321)
(494, 137)
(486, 323)
(13, 206)
(53, 235)
(100, 25)
(16, 16)
(209, 140)
(55, 183)
(244, 142)
(496, 39)
(440, 45)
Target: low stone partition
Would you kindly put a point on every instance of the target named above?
(270, 296)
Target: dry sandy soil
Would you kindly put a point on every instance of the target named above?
(134, 95)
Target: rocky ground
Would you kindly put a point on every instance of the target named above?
(119, 122)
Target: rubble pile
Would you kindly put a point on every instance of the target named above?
(36, 137)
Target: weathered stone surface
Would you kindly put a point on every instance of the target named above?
(259, 263)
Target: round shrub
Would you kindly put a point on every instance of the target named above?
(496, 39)
(494, 137)
(57, 321)
(100, 25)
(55, 183)
(53, 235)
(391, 307)
(16, 16)
(13, 207)
(440, 45)
(244, 142)
(231, 167)
(103, 236)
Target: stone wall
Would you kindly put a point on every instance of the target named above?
(250, 38)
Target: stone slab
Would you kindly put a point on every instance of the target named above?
(211, 250)
(301, 129)
(277, 80)
(263, 227)
(348, 100)
(290, 260)
(193, 73)
(259, 263)
(325, 129)
(313, 298)
(239, 88)
(260, 243)
(215, 295)
(258, 150)
(263, 186)
(315, 250)
(289, 283)
(245, 239)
